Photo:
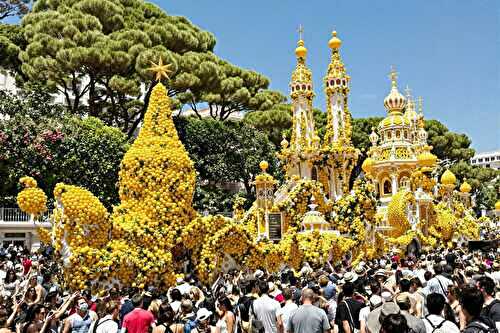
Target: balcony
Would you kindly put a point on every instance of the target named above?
(16, 217)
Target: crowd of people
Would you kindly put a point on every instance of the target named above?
(443, 291)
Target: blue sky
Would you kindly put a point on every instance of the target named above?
(447, 51)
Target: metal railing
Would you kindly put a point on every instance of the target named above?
(17, 215)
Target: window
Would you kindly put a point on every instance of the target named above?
(498, 158)
(387, 187)
(486, 159)
(398, 134)
(479, 160)
(404, 182)
(314, 174)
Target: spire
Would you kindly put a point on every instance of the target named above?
(336, 81)
(301, 93)
(420, 105)
(394, 102)
(301, 83)
(336, 68)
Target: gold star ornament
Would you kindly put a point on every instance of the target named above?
(161, 70)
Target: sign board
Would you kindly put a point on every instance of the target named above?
(275, 225)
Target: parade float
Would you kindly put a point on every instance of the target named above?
(319, 213)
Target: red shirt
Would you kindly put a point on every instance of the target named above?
(138, 321)
(26, 265)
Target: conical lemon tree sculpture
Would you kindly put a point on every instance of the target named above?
(134, 244)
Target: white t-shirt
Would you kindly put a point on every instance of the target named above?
(105, 325)
(266, 310)
(175, 305)
(286, 312)
(363, 314)
(447, 327)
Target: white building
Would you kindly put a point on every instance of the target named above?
(487, 160)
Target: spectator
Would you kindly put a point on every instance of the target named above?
(491, 307)
(472, 302)
(108, 316)
(265, 309)
(404, 303)
(80, 321)
(347, 316)
(395, 323)
(308, 318)
(434, 320)
(138, 320)
(287, 310)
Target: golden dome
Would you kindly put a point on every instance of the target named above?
(426, 159)
(395, 101)
(448, 178)
(394, 120)
(465, 187)
(497, 205)
(334, 42)
(263, 165)
(367, 165)
(301, 50)
(284, 143)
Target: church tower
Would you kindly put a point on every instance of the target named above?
(338, 131)
(337, 145)
(304, 143)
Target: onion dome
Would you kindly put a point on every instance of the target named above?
(448, 178)
(284, 143)
(263, 165)
(497, 205)
(395, 101)
(336, 75)
(373, 137)
(334, 42)
(367, 165)
(394, 120)
(427, 159)
(301, 83)
(410, 112)
(465, 187)
(301, 50)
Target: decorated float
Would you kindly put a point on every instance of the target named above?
(319, 213)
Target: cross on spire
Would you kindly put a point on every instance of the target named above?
(300, 30)
(393, 75)
(408, 91)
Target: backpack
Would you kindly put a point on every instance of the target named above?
(487, 309)
(482, 327)
(256, 326)
(351, 321)
(437, 328)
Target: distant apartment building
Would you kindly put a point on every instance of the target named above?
(487, 160)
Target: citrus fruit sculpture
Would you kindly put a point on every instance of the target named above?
(134, 244)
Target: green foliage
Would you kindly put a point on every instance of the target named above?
(76, 151)
(102, 49)
(361, 129)
(34, 102)
(485, 183)
(11, 43)
(446, 144)
(224, 152)
(277, 122)
(13, 8)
